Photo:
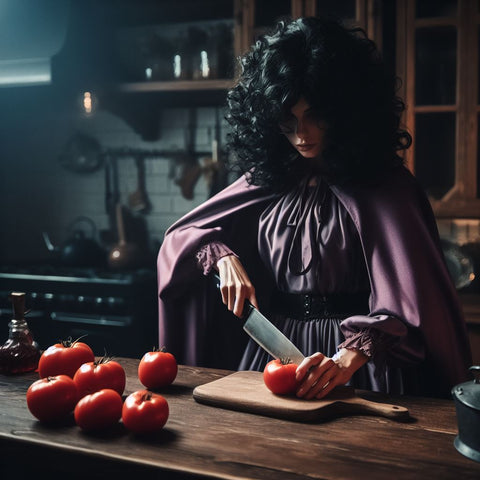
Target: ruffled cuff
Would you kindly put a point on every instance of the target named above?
(209, 254)
(369, 341)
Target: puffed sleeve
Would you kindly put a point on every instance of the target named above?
(372, 342)
(412, 294)
(228, 217)
(210, 253)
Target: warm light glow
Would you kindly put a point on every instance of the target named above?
(87, 103)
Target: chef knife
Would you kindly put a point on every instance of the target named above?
(269, 337)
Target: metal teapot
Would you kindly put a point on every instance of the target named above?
(80, 249)
(467, 406)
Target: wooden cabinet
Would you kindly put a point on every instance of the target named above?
(184, 38)
(184, 53)
(363, 13)
(260, 15)
(185, 46)
(176, 43)
(438, 61)
(170, 54)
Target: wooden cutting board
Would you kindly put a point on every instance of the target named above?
(245, 391)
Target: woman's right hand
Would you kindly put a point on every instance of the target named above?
(235, 285)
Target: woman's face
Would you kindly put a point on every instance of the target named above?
(303, 129)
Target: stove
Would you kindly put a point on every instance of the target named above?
(115, 312)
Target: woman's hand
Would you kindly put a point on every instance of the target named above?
(235, 284)
(319, 374)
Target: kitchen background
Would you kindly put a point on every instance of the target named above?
(112, 127)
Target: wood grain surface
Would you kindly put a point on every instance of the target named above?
(202, 441)
(246, 391)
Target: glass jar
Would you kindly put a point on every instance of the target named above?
(20, 353)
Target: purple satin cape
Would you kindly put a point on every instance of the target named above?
(408, 279)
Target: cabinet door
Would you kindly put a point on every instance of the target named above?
(437, 53)
(259, 16)
(362, 13)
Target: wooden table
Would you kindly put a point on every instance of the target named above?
(200, 441)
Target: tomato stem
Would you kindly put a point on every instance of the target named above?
(147, 396)
(162, 349)
(285, 360)
(69, 342)
(105, 359)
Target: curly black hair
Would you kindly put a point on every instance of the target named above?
(341, 75)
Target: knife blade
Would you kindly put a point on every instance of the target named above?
(269, 337)
(265, 334)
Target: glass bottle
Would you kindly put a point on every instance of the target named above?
(20, 353)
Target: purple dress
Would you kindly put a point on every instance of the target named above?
(309, 245)
(324, 240)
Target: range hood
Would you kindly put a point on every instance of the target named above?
(31, 33)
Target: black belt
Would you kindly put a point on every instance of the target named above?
(308, 306)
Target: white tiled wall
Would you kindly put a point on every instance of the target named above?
(47, 197)
(168, 203)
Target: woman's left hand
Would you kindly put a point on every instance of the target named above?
(319, 375)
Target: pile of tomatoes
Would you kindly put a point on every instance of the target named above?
(72, 380)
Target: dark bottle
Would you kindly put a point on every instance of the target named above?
(20, 353)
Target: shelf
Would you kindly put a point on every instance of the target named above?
(435, 108)
(433, 22)
(140, 103)
(456, 207)
(176, 86)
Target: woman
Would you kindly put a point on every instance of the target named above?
(325, 230)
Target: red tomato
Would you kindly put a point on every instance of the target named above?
(279, 377)
(64, 358)
(94, 376)
(52, 398)
(157, 369)
(99, 410)
(145, 412)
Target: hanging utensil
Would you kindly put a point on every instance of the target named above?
(215, 171)
(138, 200)
(191, 170)
(112, 194)
(82, 154)
(124, 255)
